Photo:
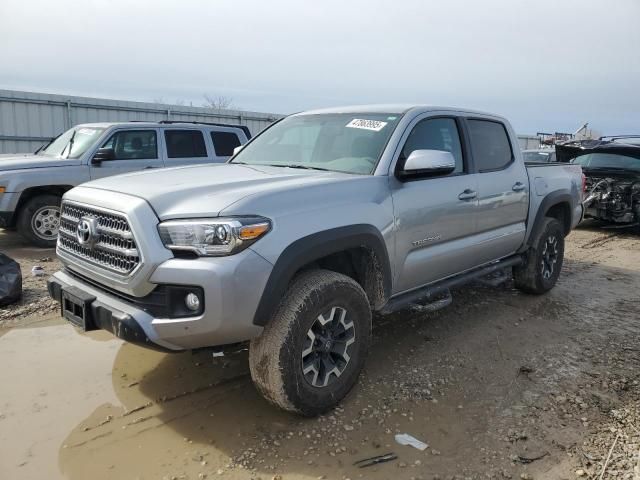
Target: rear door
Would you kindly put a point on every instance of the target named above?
(435, 217)
(134, 149)
(186, 146)
(503, 189)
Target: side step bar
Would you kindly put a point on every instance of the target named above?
(428, 292)
(433, 305)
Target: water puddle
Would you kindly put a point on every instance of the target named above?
(51, 378)
(81, 406)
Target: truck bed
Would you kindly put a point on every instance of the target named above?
(549, 180)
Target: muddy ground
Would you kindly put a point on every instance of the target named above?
(500, 385)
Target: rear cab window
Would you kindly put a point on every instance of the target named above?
(185, 143)
(224, 143)
(490, 145)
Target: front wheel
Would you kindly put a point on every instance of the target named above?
(39, 220)
(541, 269)
(310, 354)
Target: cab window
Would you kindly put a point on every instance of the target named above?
(185, 143)
(133, 145)
(490, 145)
(436, 134)
(224, 143)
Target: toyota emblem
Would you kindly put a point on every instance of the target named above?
(87, 232)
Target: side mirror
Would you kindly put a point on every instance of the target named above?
(428, 163)
(237, 149)
(103, 154)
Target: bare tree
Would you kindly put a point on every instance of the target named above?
(218, 102)
(179, 102)
(158, 100)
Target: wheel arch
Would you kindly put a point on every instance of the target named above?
(31, 192)
(555, 205)
(358, 251)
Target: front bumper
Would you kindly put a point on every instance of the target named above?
(232, 289)
(108, 317)
(8, 205)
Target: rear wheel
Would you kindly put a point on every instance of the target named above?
(541, 270)
(310, 354)
(39, 220)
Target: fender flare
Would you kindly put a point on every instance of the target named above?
(551, 200)
(313, 247)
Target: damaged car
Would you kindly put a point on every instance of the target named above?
(611, 166)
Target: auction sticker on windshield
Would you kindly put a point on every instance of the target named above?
(374, 125)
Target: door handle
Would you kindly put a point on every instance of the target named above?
(468, 194)
(149, 168)
(518, 187)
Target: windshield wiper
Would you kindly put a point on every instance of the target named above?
(45, 145)
(42, 147)
(73, 136)
(298, 165)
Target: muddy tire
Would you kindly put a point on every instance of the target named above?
(39, 219)
(310, 354)
(541, 270)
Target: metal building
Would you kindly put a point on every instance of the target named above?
(27, 119)
(528, 142)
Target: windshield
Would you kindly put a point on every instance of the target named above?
(608, 160)
(350, 143)
(72, 143)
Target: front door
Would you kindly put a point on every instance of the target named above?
(133, 150)
(435, 217)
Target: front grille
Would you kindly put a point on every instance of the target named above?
(114, 249)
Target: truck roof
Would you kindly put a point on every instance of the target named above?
(183, 124)
(398, 108)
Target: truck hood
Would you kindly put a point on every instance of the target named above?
(567, 151)
(193, 191)
(23, 162)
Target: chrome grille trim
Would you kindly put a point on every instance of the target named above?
(115, 251)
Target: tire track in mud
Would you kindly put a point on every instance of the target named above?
(154, 410)
(600, 242)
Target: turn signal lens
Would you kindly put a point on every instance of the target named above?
(252, 231)
(3, 189)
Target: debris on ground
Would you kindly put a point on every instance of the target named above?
(10, 280)
(406, 439)
(526, 460)
(37, 271)
(367, 462)
(615, 446)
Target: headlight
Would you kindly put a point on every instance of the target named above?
(213, 237)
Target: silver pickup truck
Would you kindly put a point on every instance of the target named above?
(322, 219)
(31, 186)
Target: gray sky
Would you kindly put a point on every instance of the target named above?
(546, 64)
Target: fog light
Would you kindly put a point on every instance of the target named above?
(192, 301)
